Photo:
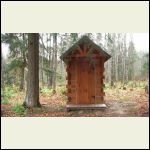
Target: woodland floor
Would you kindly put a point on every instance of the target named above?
(120, 103)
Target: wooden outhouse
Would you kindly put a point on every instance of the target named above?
(85, 74)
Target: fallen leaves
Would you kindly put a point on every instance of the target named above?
(120, 103)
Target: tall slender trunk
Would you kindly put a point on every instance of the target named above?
(61, 68)
(124, 68)
(2, 72)
(50, 73)
(32, 93)
(125, 62)
(42, 66)
(112, 46)
(116, 67)
(126, 73)
(23, 66)
(55, 61)
(52, 68)
(42, 63)
(47, 57)
(112, 72)
(22, 79)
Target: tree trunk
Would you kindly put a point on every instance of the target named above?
(52, 68)
(55, 62)
(125, 72)
(41, 61)
(112, 72)
(50, 74)
(42, 66)
(2, 72)
(116, 68)
(22, 79)
(61, 68)
(32, 94)
(124, 69)
(112, 47)
(49, 79)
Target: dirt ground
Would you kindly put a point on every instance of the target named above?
(120, 103)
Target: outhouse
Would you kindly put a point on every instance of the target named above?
(85, 74)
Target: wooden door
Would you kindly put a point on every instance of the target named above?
(85, 80)
(91, 83)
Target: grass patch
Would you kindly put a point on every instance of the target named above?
(5, 101)
(125, 98)
(46, 91)
(62, 90)
(8, 94)
(19, 109)
(107, 86)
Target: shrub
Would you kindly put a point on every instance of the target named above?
(62, 90)
(46, 91)
(5, 101)
(19, 109)
(9, 92)
(107, 86)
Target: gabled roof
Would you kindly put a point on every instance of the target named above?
(85, 40)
